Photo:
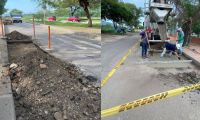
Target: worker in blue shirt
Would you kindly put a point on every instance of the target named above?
(171, 49)
(144, 44)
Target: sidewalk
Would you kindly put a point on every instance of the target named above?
(193, 52)
(7, 109)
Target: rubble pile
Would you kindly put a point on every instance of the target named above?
(15, 35)
(45, 88)
(190, 77)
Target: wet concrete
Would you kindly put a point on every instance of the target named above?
(132, 82)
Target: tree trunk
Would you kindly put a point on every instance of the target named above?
(88, 16)
(44, 11)
(85, 4)
(187, 30)
(190, 32)
(71, 9)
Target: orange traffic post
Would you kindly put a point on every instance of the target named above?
(33, 27)
(49, 37)
(2, 27)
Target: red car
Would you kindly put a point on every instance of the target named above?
(52, 18)
(74, 19)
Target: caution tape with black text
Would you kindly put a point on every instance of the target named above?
(148, 100)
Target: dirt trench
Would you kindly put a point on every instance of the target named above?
(45, 88)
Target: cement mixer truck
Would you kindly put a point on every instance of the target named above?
(157, 13)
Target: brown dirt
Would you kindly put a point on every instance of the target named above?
(184, 78)
(15, 35)
(60, 88)
(188, 78)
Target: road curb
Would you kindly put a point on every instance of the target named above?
(194, 61)
(7, 107)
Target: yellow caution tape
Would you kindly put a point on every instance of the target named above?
(110, 74)
(148, 100)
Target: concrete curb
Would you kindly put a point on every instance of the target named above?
(194, 61)
(7, 107)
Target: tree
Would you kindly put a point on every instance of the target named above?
(72, 4)
(189, 12)
(196, 28)
(85, 4)
(44, 4)
(136, 13)
(2, 5)
(61, 12)
(16, 11)
(39, 16)
(120, 12)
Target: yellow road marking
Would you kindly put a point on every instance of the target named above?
(114, 69)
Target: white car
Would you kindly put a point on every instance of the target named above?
(17, 18)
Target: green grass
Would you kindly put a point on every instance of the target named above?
(108, 29)
(96, 22)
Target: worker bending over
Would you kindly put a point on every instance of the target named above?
(170, 49)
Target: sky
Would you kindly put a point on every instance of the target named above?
(138, 3)
(30, 6)
(27, 6)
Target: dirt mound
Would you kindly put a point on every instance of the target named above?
(44, 88)
(184, 78)
(15, 35)
(190, 77)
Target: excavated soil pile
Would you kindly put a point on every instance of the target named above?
(191, 78)
(184, 78)
(44, 88)
(15, 35)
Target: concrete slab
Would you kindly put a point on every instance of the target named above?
(195, 57)
(3, 52)
(5, 89)
(6, 107)
(166, 64)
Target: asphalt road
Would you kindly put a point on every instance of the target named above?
(132, 82)
(80, 48)
(114, 50)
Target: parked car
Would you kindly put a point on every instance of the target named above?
(52, 18)
(74, 19)
(7, 19)
(17, 18)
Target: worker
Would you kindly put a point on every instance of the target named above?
(171, 49)
(180, 39)
(149, 32)
(144, 44)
